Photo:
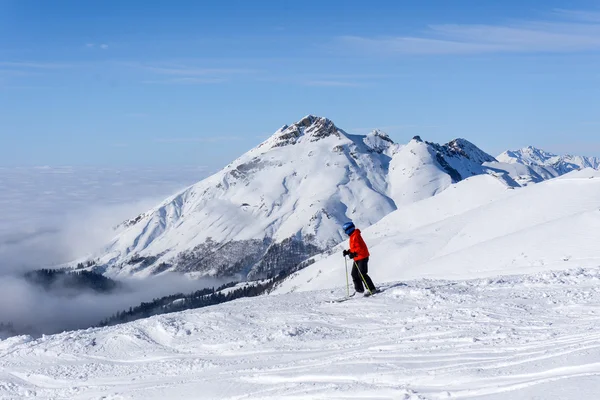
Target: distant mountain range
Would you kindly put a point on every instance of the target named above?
(559, 165)
(285, 200)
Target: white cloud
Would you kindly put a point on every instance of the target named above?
(50, 215)
(189, 75)
(102, 46)
(567, 35)
(187, 81)
(193, 71)
(34, 65)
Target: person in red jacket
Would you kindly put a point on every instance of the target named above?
(360, 254)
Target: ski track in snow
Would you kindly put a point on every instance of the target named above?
(512, 337)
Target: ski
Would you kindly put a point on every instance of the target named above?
(377, 291)
(342, 299)
(353, 296)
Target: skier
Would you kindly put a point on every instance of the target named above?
(359, 253)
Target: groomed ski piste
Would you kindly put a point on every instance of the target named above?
(490, 293)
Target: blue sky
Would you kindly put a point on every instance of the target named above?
(200, 82)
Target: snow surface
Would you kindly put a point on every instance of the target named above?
(491, 292)
(522, 174)
(478, 227)
(514, 337)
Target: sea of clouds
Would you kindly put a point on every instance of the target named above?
(53, 215)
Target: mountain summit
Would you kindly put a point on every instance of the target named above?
(285, 200)
(275, 205)
(309, 128)
(559, 165)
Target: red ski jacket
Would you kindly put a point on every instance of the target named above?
(358, 246)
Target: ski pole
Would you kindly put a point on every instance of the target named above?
(347, 282)
(363, 277)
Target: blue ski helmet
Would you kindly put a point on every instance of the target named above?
(349, 228)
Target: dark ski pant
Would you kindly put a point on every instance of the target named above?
(363, 266)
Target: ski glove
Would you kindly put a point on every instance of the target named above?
(349, 254)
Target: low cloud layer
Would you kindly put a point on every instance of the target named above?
(31, 310)
(51, 215)
(59, 240)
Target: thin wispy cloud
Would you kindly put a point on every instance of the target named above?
(101, 46)
(13, 71)
(329, 80)
(577, 31)
(34, 65)
(16, 73)
(187, 81)
(188, 74)
(194, 71)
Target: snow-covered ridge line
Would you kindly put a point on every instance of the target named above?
(532, 156)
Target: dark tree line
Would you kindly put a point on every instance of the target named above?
(87, 264)
(284, 256)
(60, 280)
(201, 298)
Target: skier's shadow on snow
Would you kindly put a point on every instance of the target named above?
(395, 285)
(403, 284)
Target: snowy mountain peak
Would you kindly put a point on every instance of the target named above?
(379, 141)
(527, 155)
(469, 150)
(532, 156)
(311, 127)
(381, 134)
(268, 210)
(422, 169)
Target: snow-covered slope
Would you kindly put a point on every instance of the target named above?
(285, 200)
(511, 337)
(422, 169)
(522, 174)
(552, 163)
(478, 228)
